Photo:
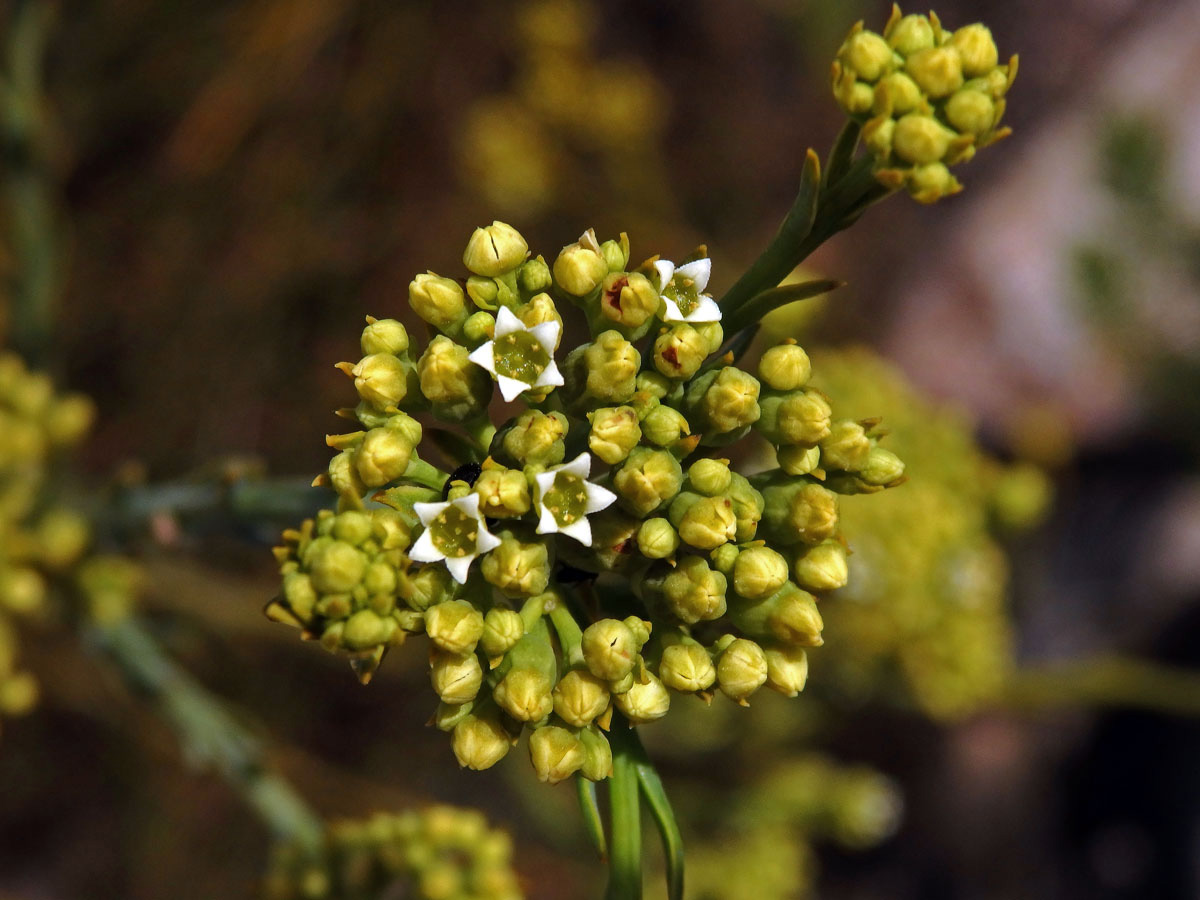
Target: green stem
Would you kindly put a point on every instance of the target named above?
(208, 734)
(624, 800)
(570, 637)
(1105, 681)
(425, 474)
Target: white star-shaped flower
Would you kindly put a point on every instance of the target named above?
(565, 498)
(683, 294)
(454, 532)
(521, 358)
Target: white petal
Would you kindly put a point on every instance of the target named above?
(672, 312)
(485, 542)
(547, 524)
(550, 377)
(706, 310)
(459, 566)
(468, 504)
(507, 322)
(665, 269)
(485, 356)
(423, 550)
(580, 466)
(546, 334)
(510, 388)
(427, 512)
(598, 498)
(544, 481)
(580, 530)
(698, 270)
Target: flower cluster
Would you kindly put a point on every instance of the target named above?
(597, 549)
(37, 538)
(927, 98)
(432, 854)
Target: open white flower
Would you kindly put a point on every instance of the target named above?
(454, 532)
(521, 358)
(565, 498)
(683, 294)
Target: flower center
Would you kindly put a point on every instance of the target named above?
(454, 533)
(566, 499)
(518, 355)
(684, 292)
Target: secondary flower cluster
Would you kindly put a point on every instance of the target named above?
(597, 550)
(432, 854)
(927, 98)
(37, 539)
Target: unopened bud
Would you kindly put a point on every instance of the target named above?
(800, 511)
(381, 380)
(366, 629)
(580, 267)
(687, 667)
(703, 522)
(709, 477)
(516, 568)
(503, 493)
(534, 277)
(524, 693)
(692, 592)
(384, 336)
(920, 139)
(680, 351)
(439, 301)
(663, 426)
(628, 300)
(785, 367)
(454, 625)
(759, 572)
(657, 538)
(971, 112)
(456, 679)
(867, 54)
(495, 250)
(741, 669)
(597, 763)
(556, 753)
(846, 447)
(976, 48)
(614, 433)
(821, 568)
(384, 454)
(480, 741)
(723, 400)
(536, 438)
(798, 460)
(644, 703)
(883, 467)
(938, 71)
(609, 649)
(906, 35)
(797, 417)
(502, 628)
(647, 480)
(450, 381)
(787, 669)
(579, 697)
(748, 507)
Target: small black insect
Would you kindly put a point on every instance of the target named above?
(468, 473)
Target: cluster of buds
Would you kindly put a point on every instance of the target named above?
(595, 550)
(927, 594)
(37, 538)
(439, 853)
(927, 98)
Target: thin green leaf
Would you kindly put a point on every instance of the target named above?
(841, 155)
(592, 821)
(761, 304)
(664, 817)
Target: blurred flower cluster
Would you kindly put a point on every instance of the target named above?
(595, 550)
(928, 98)
(437, 853)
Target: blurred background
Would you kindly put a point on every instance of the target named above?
(238, 184)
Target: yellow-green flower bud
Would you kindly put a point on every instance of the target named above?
(390, 529)
(644, 703)
(502, 628)
(579, 697)
(797, 460)
(930, 183)
(381, 380)
(724, 558)
(352, 526)
(344, 477)
(971, 112)
(787, 669)
(616, 253)
(605, 370)
(679, 351)
(536, 438)
(428, 586)
(503, 493)
(883, 467)
(455, 386)
(846, 447)
(384, 453)
(384, 336)
(580, 267)
(484, 292)
(855, 97)
(478, 328)
(691, 592)
(713, 334)
(615, 431)
(628, 299)
(663, 426)
(895, 95)
(759, 572)
(657, 539)
(597, 764)
(976, 48)
(439, 301)
(703, 522)
(821, 568)
(456, 679)
(909, 34)
(556, 753)
(610, 649)
(495, 250)
(790, 615)
(800, 511)
(516, 568)
(687, 667)
(723, 401)
(938, 71)
(539, 310)
(534, 277)
(524, 693)
(785, 367)
(920, 139)
(336, 567)
(647, 480)
(747, 507)
(741, 669)
(480, 741)
(797, 417)
(709, 477)
(653, 383)
(454, 625)
(867, 54)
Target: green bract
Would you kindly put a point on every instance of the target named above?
(585, 554)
